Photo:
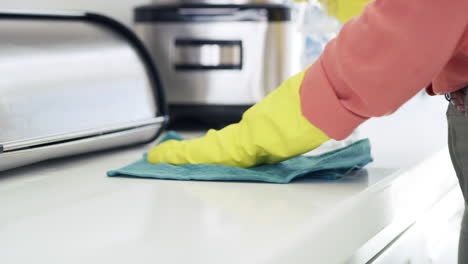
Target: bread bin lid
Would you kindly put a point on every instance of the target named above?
(73, 75)
(199, 12)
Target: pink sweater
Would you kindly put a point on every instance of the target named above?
(382, 58)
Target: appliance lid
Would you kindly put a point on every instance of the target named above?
(212, 13)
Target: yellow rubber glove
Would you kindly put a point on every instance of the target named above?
(271, 131)
(344, 10)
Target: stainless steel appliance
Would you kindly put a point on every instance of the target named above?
(216, 60)
(73, 83)
(218, 2)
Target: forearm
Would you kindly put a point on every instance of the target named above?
(380, 60)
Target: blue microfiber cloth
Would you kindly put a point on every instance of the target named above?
(331, 165)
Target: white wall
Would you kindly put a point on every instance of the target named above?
(121, 10)
(415, 131)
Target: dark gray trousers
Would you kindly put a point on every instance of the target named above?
(458, 147)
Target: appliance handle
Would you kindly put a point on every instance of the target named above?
(207, 54)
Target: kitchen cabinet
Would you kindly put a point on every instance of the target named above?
(431, 239)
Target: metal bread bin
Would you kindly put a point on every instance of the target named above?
(73, 83)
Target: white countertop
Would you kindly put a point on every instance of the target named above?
(69, 211)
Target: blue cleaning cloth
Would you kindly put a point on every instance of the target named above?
(331, 165)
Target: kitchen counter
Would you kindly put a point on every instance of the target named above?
(69, 211)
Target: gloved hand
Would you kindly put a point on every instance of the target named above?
(271, 131)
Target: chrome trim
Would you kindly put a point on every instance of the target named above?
(45, 12)
(22, 144)
(13, 159)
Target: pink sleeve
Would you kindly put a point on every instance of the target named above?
(380, 60)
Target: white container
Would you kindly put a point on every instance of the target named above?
(316, 28)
